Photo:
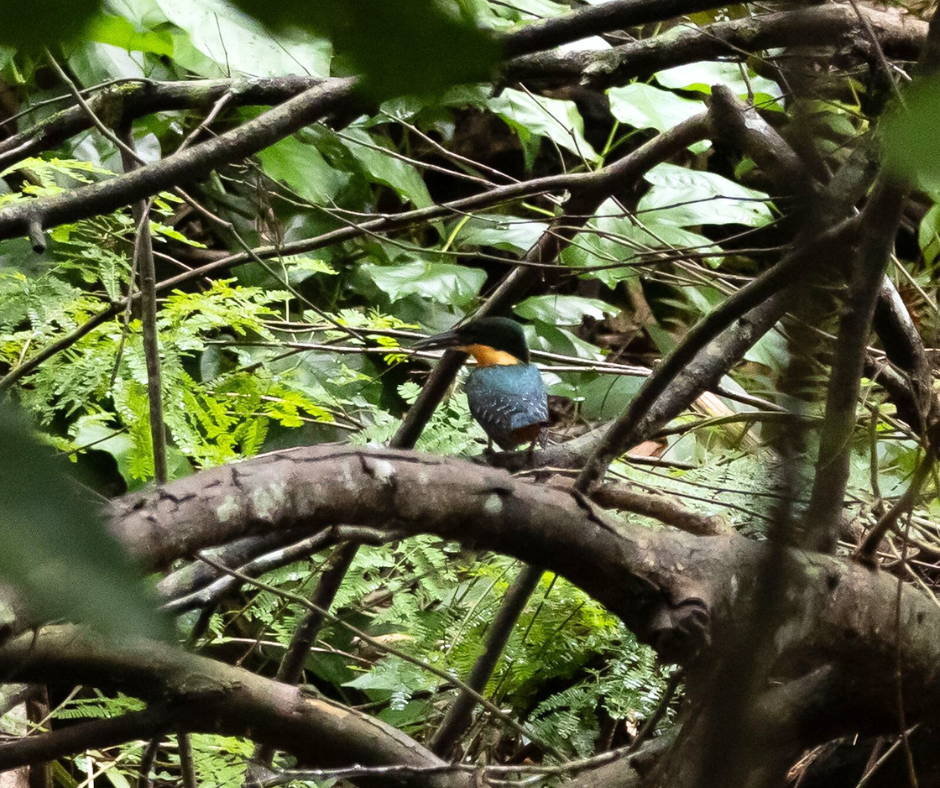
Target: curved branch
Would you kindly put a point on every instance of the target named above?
(673, 589)
(220, 698)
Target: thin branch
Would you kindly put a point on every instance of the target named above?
(649, 728)
(187, 764)
(143, 262)
(210, 594)
(889, 520)
(197, 575)
(460, 713)
(291, 668)
(147, 759)
(623, 433)
(623, 496)
(879, 223)
(386, 648)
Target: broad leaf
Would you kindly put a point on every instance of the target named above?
(694, 197)
(563, 310)
(510, 233)
(383, 168)
(235, 42)
(536, 116)
(303, 168)
(445, 283)
(929, 235)
(412, 46)
(119, 32)
(646, 107)
(552, 339)
(910, 134)
(702, 76)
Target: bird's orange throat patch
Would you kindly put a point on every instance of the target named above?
(489, 357)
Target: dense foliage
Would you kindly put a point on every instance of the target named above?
(286, 348)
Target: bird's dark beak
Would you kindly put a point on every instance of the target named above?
(449, 339)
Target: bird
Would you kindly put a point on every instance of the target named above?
(506, 393)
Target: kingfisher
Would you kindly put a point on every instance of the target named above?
(506, 392)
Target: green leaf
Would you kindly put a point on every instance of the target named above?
(158, 229)
(56, 549)
(303, 168)
(227, 42)
(703, 75)
(386, 169)
(510, 233)
(645, 107)
(929, 234)
(411, 46)
(311, 265)
(445, 283)
(694, 197)
(117, 31)
(563, 310)
(910, 134)
(611, 240)
(772, 350)
(552, 339)
(43, 22)
(608, 396)
(537, 116)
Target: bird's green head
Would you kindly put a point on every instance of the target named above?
(490, 340)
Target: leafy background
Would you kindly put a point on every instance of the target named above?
(239, 377)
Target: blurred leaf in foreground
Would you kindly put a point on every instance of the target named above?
(909, 133)
(408, 47)
(45, 22)
(56, 550)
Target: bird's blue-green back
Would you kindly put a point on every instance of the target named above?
(505, 398)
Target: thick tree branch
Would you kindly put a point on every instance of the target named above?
(223, 699)
(191, 164)
(123, 103)
(824, 25)
(846, 611)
